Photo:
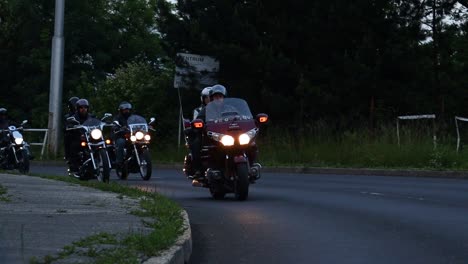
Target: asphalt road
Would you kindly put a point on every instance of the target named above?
(306, 218)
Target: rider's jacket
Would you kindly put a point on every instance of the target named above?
(197, 111)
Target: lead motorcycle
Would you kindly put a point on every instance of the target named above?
(229, 149)
(93, 157)
(15, 155)
(137, 157)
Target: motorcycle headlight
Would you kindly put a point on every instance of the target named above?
(139, 135)
(96, 133)
(244, 139)
(19, 141)
(227, 140)
(133, 138)
(147, 137)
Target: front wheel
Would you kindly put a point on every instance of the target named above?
(103, 166)
(145, 165)
(242, 184)
(23, 162)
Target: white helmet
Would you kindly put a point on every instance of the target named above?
(205, 93)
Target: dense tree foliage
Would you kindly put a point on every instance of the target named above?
(338, 60)
(346, 62)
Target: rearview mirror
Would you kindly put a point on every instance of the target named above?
(24, 122)
(152, 119)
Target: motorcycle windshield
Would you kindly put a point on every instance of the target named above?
(227, 110)
(137, 123)
(92, 122)
(17, 134)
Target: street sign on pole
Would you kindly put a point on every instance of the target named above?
(195, 71)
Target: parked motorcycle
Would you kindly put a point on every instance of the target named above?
(137, 157)
(15, 154)
(229, 150)
(94, 159)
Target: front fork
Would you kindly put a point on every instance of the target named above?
(137, 154)
(96, 152)
(254, 170)
(13, 147)
(231, 168)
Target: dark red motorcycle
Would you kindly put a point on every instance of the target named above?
(228, 153)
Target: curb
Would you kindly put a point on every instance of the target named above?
(371, 172)
(323, 170)
(181, 251)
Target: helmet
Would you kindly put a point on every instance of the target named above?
(82, 102)
(125, 105)
(3, 111)
(72, 102)
(218, 89)
(205, 93)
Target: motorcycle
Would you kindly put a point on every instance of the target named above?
(93, 157)
(228, 151)
(15, 154)
(137, 157)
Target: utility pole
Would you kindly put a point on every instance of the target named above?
(56, 79)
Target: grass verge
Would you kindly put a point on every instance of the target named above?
(322, 146)
(3, 194)
(162, 215)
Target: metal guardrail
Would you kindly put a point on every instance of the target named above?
(413, 117)
(44, 141)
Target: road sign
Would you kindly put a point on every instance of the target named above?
(195, 71)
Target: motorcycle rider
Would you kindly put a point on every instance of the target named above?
(193, 138)
(81, 115)
(205, 99)
(119, 132)
(217, 94)
(68, 134)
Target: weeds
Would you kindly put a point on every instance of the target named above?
(321, 145)
(3, 194)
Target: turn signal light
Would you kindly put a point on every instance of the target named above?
(83, 144)
(262, 118)
(108, 141)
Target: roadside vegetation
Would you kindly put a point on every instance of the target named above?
(158, 212)
(3, 194)
(323, 146)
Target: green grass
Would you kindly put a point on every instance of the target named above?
(165, 221)
(3, 194)
(360, 149)
(321, 146)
